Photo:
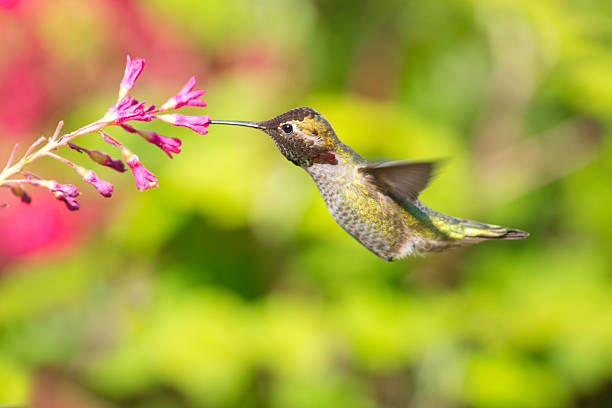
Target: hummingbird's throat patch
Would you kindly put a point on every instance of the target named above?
(323, 157)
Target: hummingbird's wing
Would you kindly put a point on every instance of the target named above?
(401, 180)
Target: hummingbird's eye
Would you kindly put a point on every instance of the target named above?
(287, 128)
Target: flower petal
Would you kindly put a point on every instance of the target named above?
(144, 178)
(133, 68)
(104, 187)
(168, 144)
(195, 123)
(186, 97)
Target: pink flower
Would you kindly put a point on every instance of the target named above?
(167, 144)
(133, 68)
(100, 158)
(126, 109)
(63, 192)
(71, 203)
(104, 187)
(69, 190)
(195, 123)
(186, 97)
(144, 178)
(130, 104)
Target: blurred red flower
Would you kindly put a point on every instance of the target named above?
(8, 3)
(43, 227)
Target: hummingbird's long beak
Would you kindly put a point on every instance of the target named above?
(236, 123)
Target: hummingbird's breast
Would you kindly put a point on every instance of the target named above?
(371, 217)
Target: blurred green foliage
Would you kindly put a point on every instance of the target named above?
(231, 285)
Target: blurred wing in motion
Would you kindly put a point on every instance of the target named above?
(401, 180)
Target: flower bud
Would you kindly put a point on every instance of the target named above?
(100, 158)
(63, 192)
(71, 203)
(89, 176)
(18, 190)
(69, 190)
(144, 178)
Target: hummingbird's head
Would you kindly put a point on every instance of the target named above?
(302, 135)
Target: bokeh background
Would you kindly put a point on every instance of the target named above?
(231, 285)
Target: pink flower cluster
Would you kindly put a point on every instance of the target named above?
(126, 109)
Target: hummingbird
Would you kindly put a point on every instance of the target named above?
(375, 202)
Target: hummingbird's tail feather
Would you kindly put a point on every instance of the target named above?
(458, 232)
(441, 231)
(463, 231)
(476, 231)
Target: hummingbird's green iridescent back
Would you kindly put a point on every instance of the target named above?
(376, 203)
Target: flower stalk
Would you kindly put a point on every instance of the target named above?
(126, 109)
